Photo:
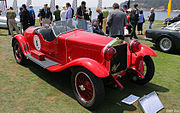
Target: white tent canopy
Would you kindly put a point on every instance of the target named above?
(99, 4)
(28, 3)
(74, 5)
(52, 5)
(3, 7)
(15, 7)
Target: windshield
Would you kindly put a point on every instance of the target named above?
(174, 25)
(171, 25)
(177, 27)
(60, 27)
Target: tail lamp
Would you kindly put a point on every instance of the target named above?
(109, 53)
(135, 46)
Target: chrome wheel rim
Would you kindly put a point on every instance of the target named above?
(165, 44)
(84, 87)
(17, 52)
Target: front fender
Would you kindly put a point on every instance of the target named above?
(95, 67)
(24, 45)
(145, 50)
(137, 60)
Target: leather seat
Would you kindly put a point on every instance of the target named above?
(47, 34)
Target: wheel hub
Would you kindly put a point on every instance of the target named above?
(165, 44)
(82, 87)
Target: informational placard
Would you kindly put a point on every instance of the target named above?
(150, 103)
(130, 99)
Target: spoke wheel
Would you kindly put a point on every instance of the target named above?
(84, 87)
(18, 54)
(149, 69)
(88, 89)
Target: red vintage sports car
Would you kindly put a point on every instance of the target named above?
(91, 57)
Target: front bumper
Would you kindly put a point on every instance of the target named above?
(149, 39)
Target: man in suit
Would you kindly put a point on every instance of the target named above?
(116, 21)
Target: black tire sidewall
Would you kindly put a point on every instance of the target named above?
(98, 87)
(22, 60)
(150, 71)
(172, 47)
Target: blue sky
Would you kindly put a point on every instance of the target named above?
(90, 3)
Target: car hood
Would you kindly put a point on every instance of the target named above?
(3, 19)
(85, 37)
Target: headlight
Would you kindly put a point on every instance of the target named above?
(135, 46)
(109, 53)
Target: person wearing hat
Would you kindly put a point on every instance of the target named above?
(11, 15)
(31, 15)
(63, 13)
(124, 8)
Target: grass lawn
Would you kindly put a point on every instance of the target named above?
(30, 88)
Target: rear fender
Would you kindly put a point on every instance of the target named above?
(23, 43)
(95, 67)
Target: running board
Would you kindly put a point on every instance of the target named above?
(45, 63)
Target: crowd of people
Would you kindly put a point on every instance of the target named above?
(107, 22)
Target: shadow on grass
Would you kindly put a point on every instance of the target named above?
(3, 34)
(112, 102)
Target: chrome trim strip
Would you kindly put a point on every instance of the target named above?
(46, 63)
(28, 46)
(66, 45)
(23, 46)
(109, 44)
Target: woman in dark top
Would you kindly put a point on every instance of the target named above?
(151, 18)
(140, 23)
(100, 17)
(81, 12)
